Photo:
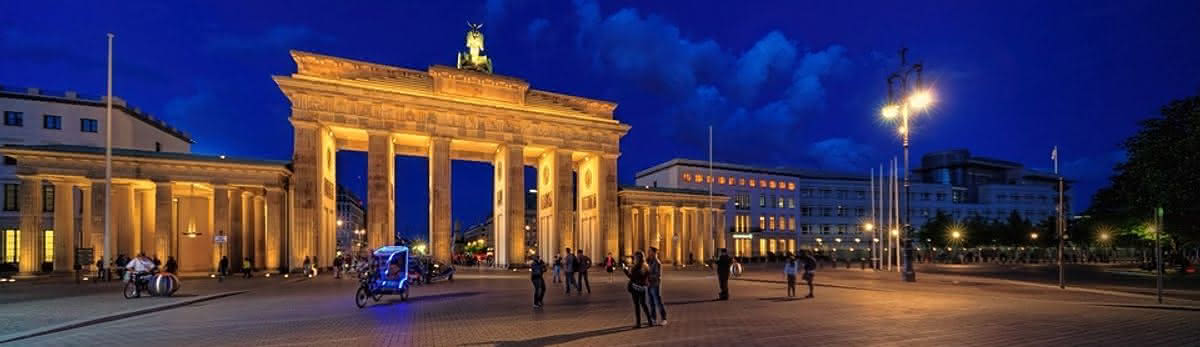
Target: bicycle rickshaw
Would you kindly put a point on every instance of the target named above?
(389, 275)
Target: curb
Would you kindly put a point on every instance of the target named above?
(113, 317)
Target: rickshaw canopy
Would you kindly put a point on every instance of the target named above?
(387, 257)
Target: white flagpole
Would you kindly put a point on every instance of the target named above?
(1061, 224)
(107, 129)
(710, 183)
(874, 251)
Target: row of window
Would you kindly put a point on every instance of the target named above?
(738, 181)
(987, 212)
(12, 248)
(744, 247)
(832, 211)
(1027, 197)
(11, 196)
(831, 229)
(49, 121)
(826, 193)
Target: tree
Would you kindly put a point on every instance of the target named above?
(935, 229)
(1162, 170)
(1016, 230)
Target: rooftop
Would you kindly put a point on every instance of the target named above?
(798, 173)
(135, 153)
(75, 98)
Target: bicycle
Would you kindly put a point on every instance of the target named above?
(137, 284)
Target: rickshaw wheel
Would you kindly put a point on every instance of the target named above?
(377, 297)
(130, 290)
(360, 297)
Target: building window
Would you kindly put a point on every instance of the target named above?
(48, 246)
(14, 119)
(841, 211)
(841, 229)
(721, 180)
(687, 177)
(805, 192)
(12, 240)
(860, 194)
(791, 203)
(941, 196)
(806, 211)
(89, 125)
(826, 193)
(859, 211)
(10, 197)
(791, 186)
(806, 229)
(772, 222)
(52, 122)
(158, 146)
(48, 198)
(826, 211)
(925, 196)
(762, 222)
(742, 181)
(841, 194)
(779, 202)
(762, 200)
(752, 184)
(792, 223)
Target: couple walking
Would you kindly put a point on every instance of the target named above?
(645, 284)
(577, 266)
(808, 263)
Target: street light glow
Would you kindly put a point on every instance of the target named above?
(1033, 236)
(890, 111)
(955, 234)
(895, 232)
(921, 99)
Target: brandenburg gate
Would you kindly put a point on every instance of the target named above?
(453, 113)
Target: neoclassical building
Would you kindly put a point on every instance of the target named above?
(683, 224)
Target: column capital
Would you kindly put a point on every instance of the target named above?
(302, 123)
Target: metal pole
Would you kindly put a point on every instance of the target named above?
(874, 253)
(108, 251)
(710, 183)
(909, 274)
(1060, 224)
(1158, 215)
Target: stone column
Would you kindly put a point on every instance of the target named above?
(607, 209)
(626, 233)
(275, 226)
(381, 189)
(653, 239)
(64, 227)
(439, 199)
(312, 165)
(721, 233)
(260, 243)
(128, 240)
(222, 211)
(508, 212)
(147, 224)
(96, 221)
(705, 243)
(164, 220)
(555, 195)
(237, 228)
(30, 205)
(673, 250)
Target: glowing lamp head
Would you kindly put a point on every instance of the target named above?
(955, 234)
(895, 232)
(890, 111)
(1104, 236)
(870, 226)
(921, 99)
(1033, 236)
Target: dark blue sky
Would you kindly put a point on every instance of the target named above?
(784, 83)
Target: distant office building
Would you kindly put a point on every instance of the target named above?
(771, 211)
(351, 222)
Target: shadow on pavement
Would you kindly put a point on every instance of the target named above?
(783, 299)
(436, 297)
(557, 339)
(689, 302)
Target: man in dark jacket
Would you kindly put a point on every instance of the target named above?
(585, 263)
(536, 268)
(569, 266)
(723, 263)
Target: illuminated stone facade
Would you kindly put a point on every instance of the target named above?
(164, 205)
(445, 114)
(685, 225)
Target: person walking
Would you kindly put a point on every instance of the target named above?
(536, 268)
(222, 268)
(723, 265)
(307, 265)
(247, 268)
(654, 288)
(558, 264)
(610, 265)
(789, 271)
(101, 271)
(585, 263)
(637, 289)
(569, 264)
(810, 265)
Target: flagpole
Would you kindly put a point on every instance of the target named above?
(710, 182)
(1060, 223)
(108, 251)
(874, 245)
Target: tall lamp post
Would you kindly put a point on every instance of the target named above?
(903, 100)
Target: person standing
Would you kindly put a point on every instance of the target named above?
(536, 268)
(637, 289)
(101, 271)
(654, 288)
(810, 265)
(172, 266)
(569, 265)
(558, 264)
(610, 265)
(789, 271)
(723, 265)
(247, 267)
(223, 268)
(307, 264)
(337, 267)
(585, 263)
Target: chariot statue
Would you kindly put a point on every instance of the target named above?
(475, 57)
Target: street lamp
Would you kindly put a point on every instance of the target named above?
(915, 99)
(1033, 236)
(955, 235)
